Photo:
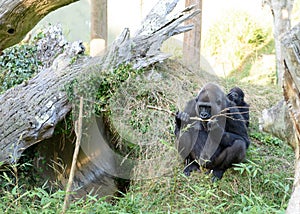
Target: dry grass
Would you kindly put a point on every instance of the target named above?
(168, 87)
(262, 185)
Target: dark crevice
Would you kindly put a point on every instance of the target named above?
(11, 31)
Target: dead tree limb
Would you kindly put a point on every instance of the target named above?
(29, 112)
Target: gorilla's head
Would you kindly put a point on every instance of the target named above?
(236, 95)
(210, 101)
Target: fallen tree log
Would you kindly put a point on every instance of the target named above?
(277, 122)
(17, 18)
(29, 112)
(291, 86)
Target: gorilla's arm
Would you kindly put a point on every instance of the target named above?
(183, 118)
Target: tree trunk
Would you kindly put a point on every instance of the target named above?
(29, 112)
(17, 17)
(98, 27)
(291, 90)
(192, 39)
(281, 11)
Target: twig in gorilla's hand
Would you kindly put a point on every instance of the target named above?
(198, 118)
(174, 114)
(161, 109)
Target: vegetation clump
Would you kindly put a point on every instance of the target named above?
(18, 64)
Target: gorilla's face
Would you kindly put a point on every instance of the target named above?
(204, 110)
(210, 101)
(236, 95)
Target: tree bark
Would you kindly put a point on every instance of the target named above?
(281, 11)
(17, 17)
(99, 19)
(29, 112)
(291, 90)
(98, 27)
(192, 39)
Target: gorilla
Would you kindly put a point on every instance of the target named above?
(210, 132)
(236, 95)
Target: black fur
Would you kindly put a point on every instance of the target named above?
(217, 141)
(236, 95)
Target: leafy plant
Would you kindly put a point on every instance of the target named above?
(252, 169)
(17, 64)
(111, 81)
(266, 138)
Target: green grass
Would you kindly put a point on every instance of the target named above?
(262, 184)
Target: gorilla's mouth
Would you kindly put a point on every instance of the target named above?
(205, 112)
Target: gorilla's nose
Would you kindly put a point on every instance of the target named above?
(204, 115)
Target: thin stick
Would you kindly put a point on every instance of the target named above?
(78, 131)
(206, 120)
(161, 109)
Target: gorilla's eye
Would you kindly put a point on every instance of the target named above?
(219, 102)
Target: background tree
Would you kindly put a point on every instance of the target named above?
(281, 12)
(98, 26)
(192, 39)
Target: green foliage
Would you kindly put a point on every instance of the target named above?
(99, 88)
(239, 28)
(65, 127)
(139, 122)
(266, 138)
(234, 37)
(251, 168)
(141, 118)
(17, 64)
(110, 83)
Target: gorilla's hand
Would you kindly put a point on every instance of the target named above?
(183, 116)
(212, 125)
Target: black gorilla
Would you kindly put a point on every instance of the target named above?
(237, 95)
(210, 132)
